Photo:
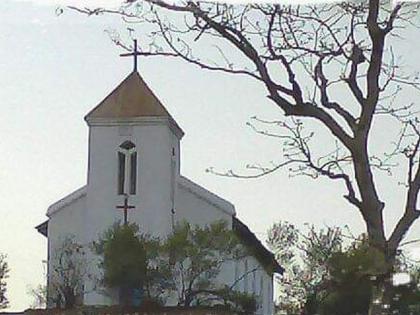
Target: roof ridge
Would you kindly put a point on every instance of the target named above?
(115, 89)
(131, 98)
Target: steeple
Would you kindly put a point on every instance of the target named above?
(131, 99)
(134, 149)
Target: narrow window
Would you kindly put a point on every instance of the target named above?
(246, 276)
(121, 172)
(236, 273)
(127, 168)
(269, 296)
(262, 300)
(133, 173)
(254, 281)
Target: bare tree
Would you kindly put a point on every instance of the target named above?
(39, 296)
(67, 274)
(4, 273)
(331, 64)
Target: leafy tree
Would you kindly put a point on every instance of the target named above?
(187, 262)
(124, 260)
(350, 284)
(325, 276)
(235, 301)
(331, 64)
(4, 273)
(305, 256)
(68, 273)
(352, 274)
(196, 255)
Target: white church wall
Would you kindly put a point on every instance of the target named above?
(200, 211)
(152, 199)
(248, 275)
(67, 221)
(59, 227)
(197, 210)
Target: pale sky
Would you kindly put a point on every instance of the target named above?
(53, 70)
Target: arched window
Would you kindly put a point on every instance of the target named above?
(127, 168)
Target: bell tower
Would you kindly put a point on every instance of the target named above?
(134, 153)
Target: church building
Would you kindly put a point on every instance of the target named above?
(134, 155)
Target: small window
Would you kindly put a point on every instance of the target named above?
(127, 168)
(236, 272)
(246, 275)
(121, 172)
(127, 145)
(133, 173)
(254, 281)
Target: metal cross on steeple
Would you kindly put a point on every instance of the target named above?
(135, 54)
(125, 207)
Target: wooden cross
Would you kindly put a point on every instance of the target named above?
(125, 207)
(135, 54)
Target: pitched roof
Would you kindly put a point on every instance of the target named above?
(262, 254)
(65, 201)
(206, 195)
(132, 98)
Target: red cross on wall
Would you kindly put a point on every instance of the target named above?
(125, 207)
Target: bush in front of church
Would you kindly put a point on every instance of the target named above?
(124, 260)
(182, 268)
(128, 263)
(195, 256)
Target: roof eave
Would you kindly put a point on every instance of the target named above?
(43, 228)
(262, 254)
(144, 120)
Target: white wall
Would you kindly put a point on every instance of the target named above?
(88, 217)
(201, 212)
(154, 142)
(154, 149)
(196, 210)
(69, 221)
(258, 282)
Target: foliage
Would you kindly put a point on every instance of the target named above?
(304, 255)
(187, 262)
(350, 285)
(237, 302)
(68, 273)
(352, 276)
(124, 260)
(4, 273)
(195, 256)
(327, 277)
(39, 296)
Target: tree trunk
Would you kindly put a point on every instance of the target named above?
(382, 289)
(69, 299)
(380, 303)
